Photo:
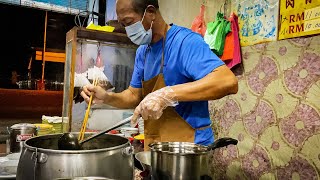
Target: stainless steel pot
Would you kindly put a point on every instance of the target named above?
(108, 156)
(20, 133)
(183, 161)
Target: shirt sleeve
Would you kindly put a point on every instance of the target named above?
(197, 58)
(137, 75)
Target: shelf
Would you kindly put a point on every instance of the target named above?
(110, 37)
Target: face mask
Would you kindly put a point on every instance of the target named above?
(138, 34)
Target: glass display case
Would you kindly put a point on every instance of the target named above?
(90, 54)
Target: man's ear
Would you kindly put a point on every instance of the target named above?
(151, 12)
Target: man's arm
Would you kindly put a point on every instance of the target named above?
(128, 99)
(219, 83)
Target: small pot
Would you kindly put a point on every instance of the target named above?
(20, 133)
(181, 160)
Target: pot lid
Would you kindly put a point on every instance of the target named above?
(23, 126)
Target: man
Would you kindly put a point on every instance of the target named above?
(175, 74)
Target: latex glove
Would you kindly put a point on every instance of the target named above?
(152, 106)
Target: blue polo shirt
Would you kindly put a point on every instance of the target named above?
(187, 58)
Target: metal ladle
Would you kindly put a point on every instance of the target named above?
(69, 141)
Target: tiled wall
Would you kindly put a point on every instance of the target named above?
(275, 115)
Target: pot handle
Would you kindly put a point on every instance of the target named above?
(223, 142)
(128, 151)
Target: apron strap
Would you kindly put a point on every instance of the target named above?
(204, 128)
(163, 51)
(163, 48)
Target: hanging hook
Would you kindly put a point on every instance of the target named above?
(225, 7)
(221, 8)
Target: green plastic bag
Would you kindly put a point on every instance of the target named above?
(216, 34)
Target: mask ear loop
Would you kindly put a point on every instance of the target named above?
(143, 15)
(151, 24)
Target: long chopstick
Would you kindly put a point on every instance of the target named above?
(86, 117)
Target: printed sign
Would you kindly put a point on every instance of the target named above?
(258, 20)
(299, 18)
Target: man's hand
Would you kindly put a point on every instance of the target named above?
(152, 106)
(99, 94)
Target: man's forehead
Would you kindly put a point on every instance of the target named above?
(124, 7)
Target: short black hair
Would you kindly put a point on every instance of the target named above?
(140, 6)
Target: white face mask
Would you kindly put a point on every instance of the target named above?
(137, 34)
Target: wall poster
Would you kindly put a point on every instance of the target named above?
(258, 20)
(299, 18)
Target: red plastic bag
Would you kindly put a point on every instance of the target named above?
(198, 24)
(232, 51)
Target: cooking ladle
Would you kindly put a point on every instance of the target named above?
(69, 141)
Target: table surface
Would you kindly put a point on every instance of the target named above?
(7, 177)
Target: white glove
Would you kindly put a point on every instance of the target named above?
(152, 106)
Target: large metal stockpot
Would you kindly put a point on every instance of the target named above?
(182, 160)
(107, 156)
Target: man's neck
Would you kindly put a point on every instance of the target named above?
(159, 27)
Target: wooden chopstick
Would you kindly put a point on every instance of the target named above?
(86, 117)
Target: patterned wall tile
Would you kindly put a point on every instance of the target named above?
(256, 163)
(282, 102)
(314, 44)
(284, 53)
(301, 41)
(300, 124)
(298, 168)
(245, 98)
(311, 149)
(250, 59)
(300, 78)
(228, 114)
(263, 74)
(275, 116)
(234, 171)
(245, 142)
(257, 121)
(280, 152)
(313, 96)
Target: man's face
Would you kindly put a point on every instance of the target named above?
(127, 16)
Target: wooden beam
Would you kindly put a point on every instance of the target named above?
(51, 56)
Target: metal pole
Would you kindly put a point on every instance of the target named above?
(44, 50)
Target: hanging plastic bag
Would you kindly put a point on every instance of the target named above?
(228, 51)
(216, 34)
(236, 58)
(198, 24)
